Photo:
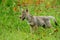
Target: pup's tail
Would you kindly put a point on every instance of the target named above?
(51, 17)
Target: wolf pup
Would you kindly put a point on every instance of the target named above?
(36, 21)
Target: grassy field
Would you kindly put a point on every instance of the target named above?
(13, 28)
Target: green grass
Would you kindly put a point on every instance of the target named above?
(13, 28)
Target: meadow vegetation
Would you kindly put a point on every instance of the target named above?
(13, 28)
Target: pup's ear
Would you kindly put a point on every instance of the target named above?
(23, 11)
(26, 10)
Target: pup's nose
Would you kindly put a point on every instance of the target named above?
(20, 17)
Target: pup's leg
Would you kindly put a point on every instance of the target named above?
(48, 24)
(33, 28)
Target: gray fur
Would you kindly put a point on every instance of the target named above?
(36, 21)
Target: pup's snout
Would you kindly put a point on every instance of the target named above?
(20, 17)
